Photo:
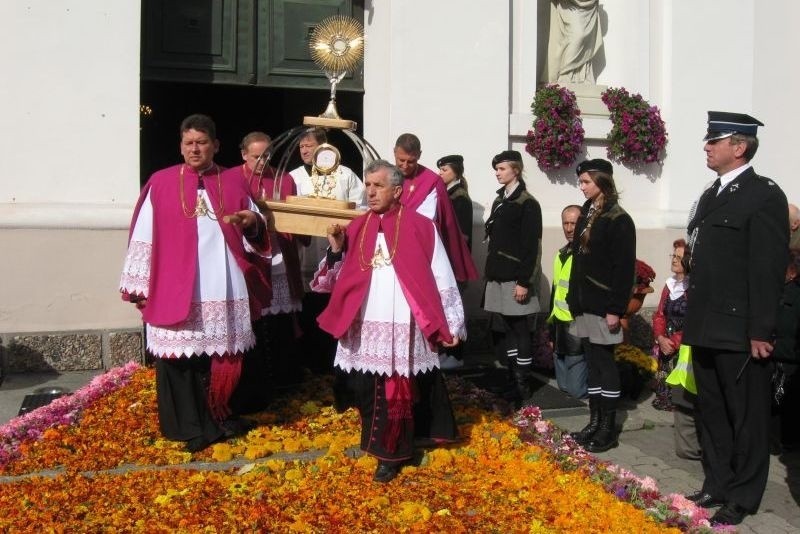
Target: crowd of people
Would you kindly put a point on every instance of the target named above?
(234, 308)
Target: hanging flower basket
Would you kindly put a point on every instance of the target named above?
(557, 135)
(638, 135)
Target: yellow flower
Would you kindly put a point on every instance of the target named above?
(411, 512)
(275, 465)
(256, 451)
(294, 474)
(379, 501)
(438, 459)
(222, 452)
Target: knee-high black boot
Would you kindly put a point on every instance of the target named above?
(522, 380)
(606, 436)
(586, 433)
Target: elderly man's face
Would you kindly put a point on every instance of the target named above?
(569, 219)
(198, 149)
(252, 156)
(407, 163)
(381, 195)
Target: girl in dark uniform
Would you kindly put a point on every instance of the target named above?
(600, 286)
(513, 268)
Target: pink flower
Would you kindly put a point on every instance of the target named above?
(557, 135)
(64, 410)
(638, 134)
(541, 426)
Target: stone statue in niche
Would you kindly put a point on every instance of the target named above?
(575, 39)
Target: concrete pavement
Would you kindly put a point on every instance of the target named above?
(647, 449)
(16, 386)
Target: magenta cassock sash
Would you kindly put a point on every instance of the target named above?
(174, 251)
(446, 221)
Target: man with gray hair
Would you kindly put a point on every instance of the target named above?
(394, 300)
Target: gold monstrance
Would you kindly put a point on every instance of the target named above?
(337, 47)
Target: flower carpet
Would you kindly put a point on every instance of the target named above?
(95, 461)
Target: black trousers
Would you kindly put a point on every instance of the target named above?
(603, 372)
(733, 412)
(511, 335)
(318, 348)
(256, 385)
(432, 412)
(182, 393)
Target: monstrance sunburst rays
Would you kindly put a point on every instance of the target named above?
(337, 44)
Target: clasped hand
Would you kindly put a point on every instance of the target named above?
(451, 344)
(336, 237)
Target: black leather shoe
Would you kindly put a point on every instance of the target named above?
(197, 444)
(237, 426)
(730, 514)
(386, 472)
(705, 500)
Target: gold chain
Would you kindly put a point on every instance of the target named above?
(377, 262)
(200, 209)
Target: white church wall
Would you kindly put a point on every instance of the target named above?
(69, 103)
(440, 70)
(461, 74)
(775, 86)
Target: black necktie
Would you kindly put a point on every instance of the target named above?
(715, 186)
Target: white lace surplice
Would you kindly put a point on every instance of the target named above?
(219, 315)
(384, 339)
(282, 300)
(347, 186)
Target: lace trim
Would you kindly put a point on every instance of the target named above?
(282, 301)
(136, 271)
(324, 279)
(216, 327)
(385, 348)
(454, 312)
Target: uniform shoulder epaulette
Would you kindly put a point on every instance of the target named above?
(615, 211)
(767, 180)
(460, 192)
(523, 196)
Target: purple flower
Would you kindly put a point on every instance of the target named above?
(557, 134)
(638, 134)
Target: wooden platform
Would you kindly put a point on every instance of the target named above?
(309, 216)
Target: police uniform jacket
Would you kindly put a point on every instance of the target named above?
(739, 259)
(514, 230)
(603, 275)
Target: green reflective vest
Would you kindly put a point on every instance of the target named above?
(682, 374)
(560, 288)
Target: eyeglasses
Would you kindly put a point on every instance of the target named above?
(676, 257)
